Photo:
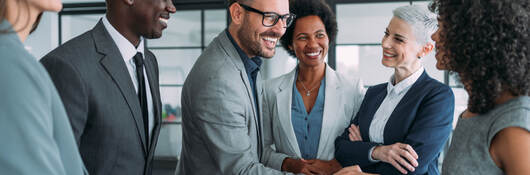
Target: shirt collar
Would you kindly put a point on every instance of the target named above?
(404, 84)
(251, 64)
(127, 49)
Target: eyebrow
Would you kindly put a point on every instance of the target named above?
(401, 36)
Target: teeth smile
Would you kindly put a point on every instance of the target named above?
(388, 55)
(313, 54)
(163, 20)
(270, 39)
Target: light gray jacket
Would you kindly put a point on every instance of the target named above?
(342, 101)
(220, 127)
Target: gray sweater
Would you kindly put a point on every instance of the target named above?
(469, 151)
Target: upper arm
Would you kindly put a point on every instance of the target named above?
(26, 120)
(220, 112)
(509, 150)
(72, 91)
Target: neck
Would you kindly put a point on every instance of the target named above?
(123, 28)
(233, 31)
(311, 74)
(21, 18)
(504, 97)
(402, 73)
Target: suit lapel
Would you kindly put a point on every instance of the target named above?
(114, 65)
(366, 119)
(283, 104)
(395, 118)
(331, 106)
(235, 58)
(155, 93)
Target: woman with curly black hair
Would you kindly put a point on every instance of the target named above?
(306, 109)
(487, 44)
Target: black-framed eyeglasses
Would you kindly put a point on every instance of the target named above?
(271, 18)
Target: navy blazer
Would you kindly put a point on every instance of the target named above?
(423, 119)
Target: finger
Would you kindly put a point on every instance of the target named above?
(306, 172)
(404, 163)
(352, 138)
(409, 157)
(411, 151)
(315, 170)
(397, 166)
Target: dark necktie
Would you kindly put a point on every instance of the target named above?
(142, 94)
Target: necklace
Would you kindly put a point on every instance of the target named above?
(308, 92)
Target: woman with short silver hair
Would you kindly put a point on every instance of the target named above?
(403, 124)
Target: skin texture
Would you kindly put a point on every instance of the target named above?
(139, 18)
(440, 56)
(249, 32)
(399, 41)
(23, 14)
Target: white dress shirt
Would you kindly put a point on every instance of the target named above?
(394, 95)
(128, 51)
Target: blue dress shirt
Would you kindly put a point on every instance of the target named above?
(307, 126)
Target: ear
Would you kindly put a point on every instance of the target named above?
(426, 49)
(236, 13)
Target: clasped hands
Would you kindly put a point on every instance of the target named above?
(310, 167)
(399, 155)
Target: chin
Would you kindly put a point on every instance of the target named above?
(154, 35)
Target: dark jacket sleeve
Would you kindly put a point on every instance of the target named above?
(430, 130)
(72, 90)
(350, 153)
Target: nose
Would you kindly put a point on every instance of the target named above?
(434, 36)
(170, 7)
(385, 43)
(312, 43)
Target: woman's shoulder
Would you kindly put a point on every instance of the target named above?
(514, 113)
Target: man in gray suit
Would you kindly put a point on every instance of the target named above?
(108, 82)
(221, 96)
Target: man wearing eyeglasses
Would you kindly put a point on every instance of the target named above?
(221, 97)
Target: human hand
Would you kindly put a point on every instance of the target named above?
(322, 166)
(351, 170)
(394, 154)
(355, 133)
(296, 166)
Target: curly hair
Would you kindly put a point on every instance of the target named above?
(487, 44)
(303, 8)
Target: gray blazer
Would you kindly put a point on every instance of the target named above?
(102, 104)
(342, 101)
(35, 135)
(220, 127)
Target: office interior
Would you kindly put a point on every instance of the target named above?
(356, 52)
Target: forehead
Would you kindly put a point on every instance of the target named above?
(277, 6)
(309, 24)
(399, 26)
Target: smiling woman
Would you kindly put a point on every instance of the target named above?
(402, 124)
(312, 103)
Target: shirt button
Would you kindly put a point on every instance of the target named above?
(306, 119)
(305, 137)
